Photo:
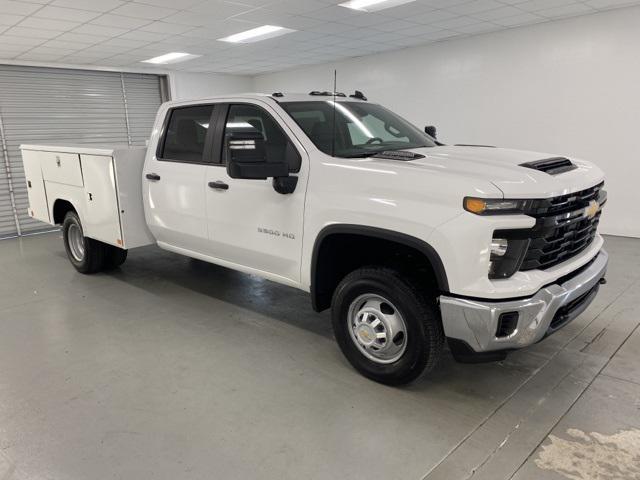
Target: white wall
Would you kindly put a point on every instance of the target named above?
(569, 87)
(197, 85)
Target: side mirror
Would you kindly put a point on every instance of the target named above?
(247, 157)
(431, 131)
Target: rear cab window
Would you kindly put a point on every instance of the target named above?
(186, 134)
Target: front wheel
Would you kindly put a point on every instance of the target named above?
(389, 332)
(85, 254)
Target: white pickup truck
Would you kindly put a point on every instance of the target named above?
(410, 242)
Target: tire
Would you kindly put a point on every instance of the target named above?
(410, 322)
(114, 257)
(85, 254)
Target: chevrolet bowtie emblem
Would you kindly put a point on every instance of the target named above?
(591, 210)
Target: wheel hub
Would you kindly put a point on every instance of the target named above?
(75, 239)
(377, 328)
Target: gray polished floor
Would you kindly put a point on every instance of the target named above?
(173, 369)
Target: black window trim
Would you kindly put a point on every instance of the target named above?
(206, 152)
(218, 143)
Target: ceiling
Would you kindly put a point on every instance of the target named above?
(117, 33)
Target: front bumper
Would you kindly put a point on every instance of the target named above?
(479, 323)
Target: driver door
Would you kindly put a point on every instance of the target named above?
(249, 223)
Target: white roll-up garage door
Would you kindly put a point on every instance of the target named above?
(64, 106)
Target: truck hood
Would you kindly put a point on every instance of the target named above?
(502, 167)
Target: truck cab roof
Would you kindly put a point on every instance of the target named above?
(278, 97)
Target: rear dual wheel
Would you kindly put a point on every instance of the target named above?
(86, 254)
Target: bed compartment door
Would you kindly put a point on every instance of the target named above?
(102, 220)
(62, 168)
(38, 208)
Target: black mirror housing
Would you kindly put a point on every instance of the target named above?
(431, 131)
(247, 157)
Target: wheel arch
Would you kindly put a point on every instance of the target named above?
(324, 279)
(60, 208)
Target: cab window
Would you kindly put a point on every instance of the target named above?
(186, 134)
(250, 118)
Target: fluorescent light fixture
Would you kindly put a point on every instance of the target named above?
(256, 34)
(373, 5)
(173, 57)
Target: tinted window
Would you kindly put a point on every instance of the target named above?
(187, 133)
(361, 129)
(249, 118)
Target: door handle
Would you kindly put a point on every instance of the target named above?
(153, 176)
(219, 185)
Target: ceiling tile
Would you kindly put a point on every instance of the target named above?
(39, 57)
(534, 5)
(395, 25)
(61, 44)
(69, 14)
(31, 32)
(365, 20)
(48, 24)
(140, 10)
(9, 19)
(295, 7)
(119, 21)
(125, 42)
(433, 16)
(220, 9)
(521, 19)
(92, 5)
(186, 18)
(87, 39)
(184, 4)
(100, 30)
(474, 6)
(482, 27)
(164, 27)
(9, 51)
(456, 22)
(566, 11)
(604, 4)
(14, 40)
(334, 13)
(502, 12)
(146, 36)
(18, 8)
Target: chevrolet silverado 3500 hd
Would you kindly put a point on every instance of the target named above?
(410, 242)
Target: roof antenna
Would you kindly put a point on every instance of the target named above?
(333, 133)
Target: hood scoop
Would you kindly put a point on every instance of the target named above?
(398, 155)
(552, 166)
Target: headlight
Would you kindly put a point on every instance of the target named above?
(506, 256)
(494, 206)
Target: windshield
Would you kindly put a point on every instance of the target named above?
(361, 129)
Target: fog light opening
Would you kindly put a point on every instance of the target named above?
(507, 324)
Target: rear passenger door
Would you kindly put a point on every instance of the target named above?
(174, 179)
(250, 223)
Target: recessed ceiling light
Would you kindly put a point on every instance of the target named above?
(373, 5)
(173, 57)
(256, 34)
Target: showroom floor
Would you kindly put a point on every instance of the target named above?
(174, 369)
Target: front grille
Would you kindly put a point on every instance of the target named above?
(562, 230)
